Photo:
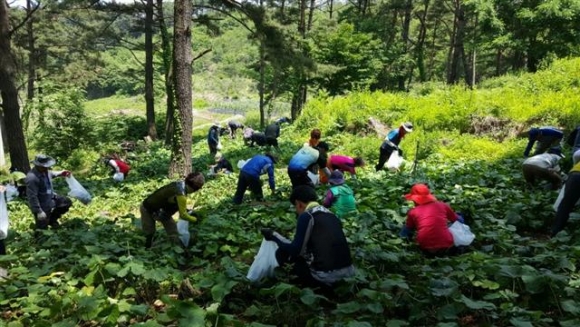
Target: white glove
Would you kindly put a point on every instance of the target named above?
(41, 215)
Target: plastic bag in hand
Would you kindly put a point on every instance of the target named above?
(77, 191)
(3, 217)
(11, 192)
(395, 161)
(264, 262)
(119, 177)
(462, 235)
(183, 230)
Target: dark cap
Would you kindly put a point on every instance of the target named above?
(303, 193)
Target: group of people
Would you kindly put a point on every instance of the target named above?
(319, 254)
(544, 164)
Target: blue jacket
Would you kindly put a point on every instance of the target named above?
(542, 134)
(304, 158)
(258, 165)
(394, 136)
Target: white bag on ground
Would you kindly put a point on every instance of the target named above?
(560, 197)
(11, 192)
(395, 161)
(264, 262)
(3, 217)
(462, 235)
(77, 191)
(313, 177)
(119, 177)
(183, 230)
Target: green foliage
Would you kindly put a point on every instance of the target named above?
(61, 122)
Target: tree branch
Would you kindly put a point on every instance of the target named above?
(203, 53)
(28, 16)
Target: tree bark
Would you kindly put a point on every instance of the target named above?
(31, 53)
(420, 47)
(9, 94)
(149, 97)
(167, 66)
(405, 38)
(457, 51)
(182, 58)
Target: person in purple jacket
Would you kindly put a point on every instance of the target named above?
(546, 136)
(250, 176)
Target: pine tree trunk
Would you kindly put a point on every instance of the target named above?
(9, 94)
(31, 54)
(149, 97)
(167, 66)
(182, 58)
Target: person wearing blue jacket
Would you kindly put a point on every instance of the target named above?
(304, 160)
(546, 136)
(250, 176)
(213, 139)
(391, 143)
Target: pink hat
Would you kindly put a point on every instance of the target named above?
(420, 194)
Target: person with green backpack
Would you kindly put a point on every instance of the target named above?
(339, 197)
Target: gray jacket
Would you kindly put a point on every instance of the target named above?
(39, 191)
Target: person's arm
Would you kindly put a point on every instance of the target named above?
(32, 193)
(322, 162)
(182, 206)
(271, 180)
(529, 146)
(114, 165)
(451, 215)
(297, 243)
(213, 136)
(328, 199)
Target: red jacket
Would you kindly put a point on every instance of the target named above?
(430, 221)
(123, 167)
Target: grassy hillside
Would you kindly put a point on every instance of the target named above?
(95, 272)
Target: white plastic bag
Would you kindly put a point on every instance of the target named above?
(395, 161)
(3, 217)
(264, 262)
(183, 230)
(462, 235)
(77, 191)
(242, 163)
(119, 177)
(314, 178)
(560, 197)
(11, 192)
(219, 145)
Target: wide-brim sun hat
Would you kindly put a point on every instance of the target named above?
(336, 178)
(43, 160)
(420, 194)
(407, 126)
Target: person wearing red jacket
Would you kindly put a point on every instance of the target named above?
(118, 166)
(430, 217)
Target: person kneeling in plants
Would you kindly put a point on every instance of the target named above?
(319, 255)
(46, 206)
(162, 204)
(119, 167)
(429, 217)
(250, 176)
(339, 197)
(222, 165)
(569, 201)
(544, 166)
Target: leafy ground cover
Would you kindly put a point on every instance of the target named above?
(94, 271)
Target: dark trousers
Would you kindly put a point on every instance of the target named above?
(272, 141)
(571, 196)
(233, 130)
(2, 247)
(212, 148)
(544, 143)
(385, 154)
(62, 204)
(246, 181)
(299, 177)
(533, 173)
(299, 270)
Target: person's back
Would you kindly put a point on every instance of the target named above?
(163, 197)
(327, 242)
(543, 160)
(305, 157)
(259, 138)
(344, 202)
(257, 165)
(272, 130)
(430, 220)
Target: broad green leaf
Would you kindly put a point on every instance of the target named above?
(397, 323)
(348, 307)
(140, 309)
(355, 323)
(447, 324)
(477, 305)
(571, 306)
(517, 322)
